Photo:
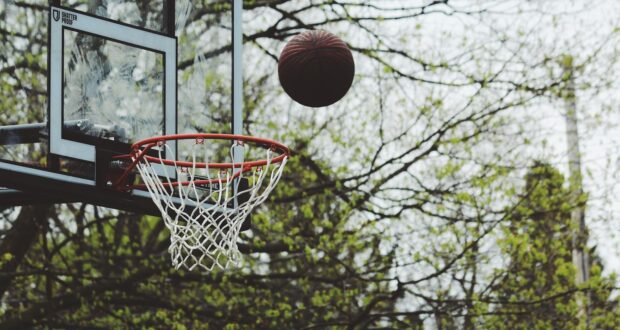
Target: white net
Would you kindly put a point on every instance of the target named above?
(205, 208)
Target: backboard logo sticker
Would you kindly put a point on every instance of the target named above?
(68, 18)
(56, 14)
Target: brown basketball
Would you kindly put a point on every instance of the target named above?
(316, 68)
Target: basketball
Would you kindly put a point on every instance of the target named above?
(316, 68)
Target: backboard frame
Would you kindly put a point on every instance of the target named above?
(62, 19)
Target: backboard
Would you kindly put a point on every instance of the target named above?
(83, 80)
(110, 84)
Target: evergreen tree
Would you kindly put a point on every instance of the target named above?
(537, 289)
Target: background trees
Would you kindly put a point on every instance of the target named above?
(413, 202)
(538, 240)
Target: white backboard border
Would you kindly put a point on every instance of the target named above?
(61, 19)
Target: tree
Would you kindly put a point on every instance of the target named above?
(389, 212)
(539, 280)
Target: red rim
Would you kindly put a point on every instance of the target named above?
(139, 151)
(266, 143)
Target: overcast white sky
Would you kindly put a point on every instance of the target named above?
(579, 27)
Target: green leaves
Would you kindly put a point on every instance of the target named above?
(538, 242)
(402, 206)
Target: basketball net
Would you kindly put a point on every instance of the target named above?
(204, 208)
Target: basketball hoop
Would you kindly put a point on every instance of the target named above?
(204, 204)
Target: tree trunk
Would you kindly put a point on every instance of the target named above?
(17, 242)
